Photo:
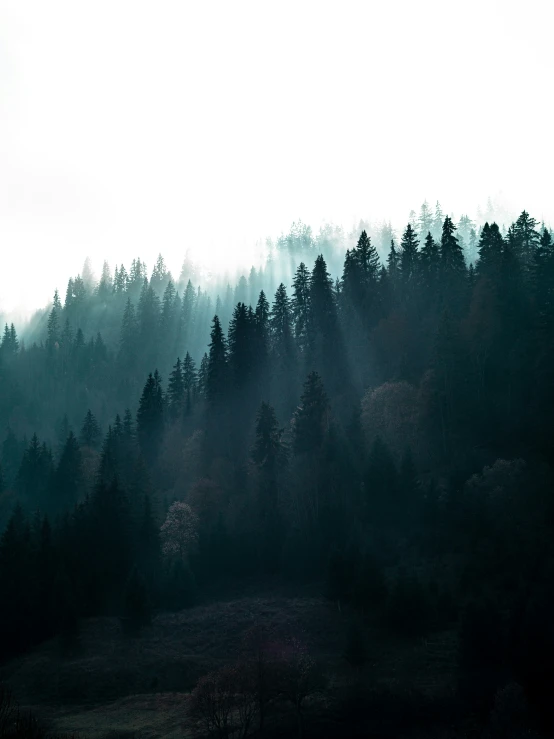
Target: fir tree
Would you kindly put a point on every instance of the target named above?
(491, 247)
(150, 418)
(68, 479)
(90, 430)
(268, 449)
(216, 375)
(409, 257)
(452, 264)
(190, 376)
(393, 263)
(176, 390)
(301, 305)
(311, 419)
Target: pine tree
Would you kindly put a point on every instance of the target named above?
(525, 240)
(216, 375)
(121, 281)
(150, 418)
(68, 478)
(241, 345)
(148, 313)
(90, 430)
(262, 322)
(367, 257)
(53, 328)
(168, 306)
(453, 268)
(301, 305)
(409, 257)
(429, 264)
(35, 472)
(322, 300)
(268, 449)
(393, 263)
(190, 376)
(176, 391)
(425, 221)
(281, 324)
(311, 419)
(543, 284)
(160, 274)
(203, 375)
(105, 286)
(438, 221)
(187, 310)
(6, 339)
(491, 247)
(128, 341)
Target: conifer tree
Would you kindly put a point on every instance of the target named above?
(168, 308)
(393, 263)
(281, 323)
(90, 430)
(438, 222)
(525, 239)
(128, 340)
(425, 221)
(160, 274)
(216, 375)
(53, 327)
(491, 247)
(367, 257)
(452, 264)
(176, 391)
(68, 479)
(311, 419)
(190, 376)
(409, 257)
(150, 418)
(105, 286)
(301, 305)
(543, 284)
(268, 450)
(429, 264)
(203, 375)
(241, 346)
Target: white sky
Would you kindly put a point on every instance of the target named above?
(128, 128)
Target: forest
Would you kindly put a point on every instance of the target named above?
(365, 421)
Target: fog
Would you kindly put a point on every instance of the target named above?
(127, 132)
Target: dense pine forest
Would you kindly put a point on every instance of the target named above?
(368, 416)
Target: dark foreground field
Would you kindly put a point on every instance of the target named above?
(109, 684)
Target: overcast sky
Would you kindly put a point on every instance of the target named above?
(128, 128)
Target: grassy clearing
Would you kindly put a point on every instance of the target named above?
(116, 687)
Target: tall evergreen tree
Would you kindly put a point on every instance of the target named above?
(150, 418)
(68, 478)
(217, 375)
(301, 307)
(491, 247)
(176, 391)
(453, 268)
(311, 419)
(409, 257)
(90, 430)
